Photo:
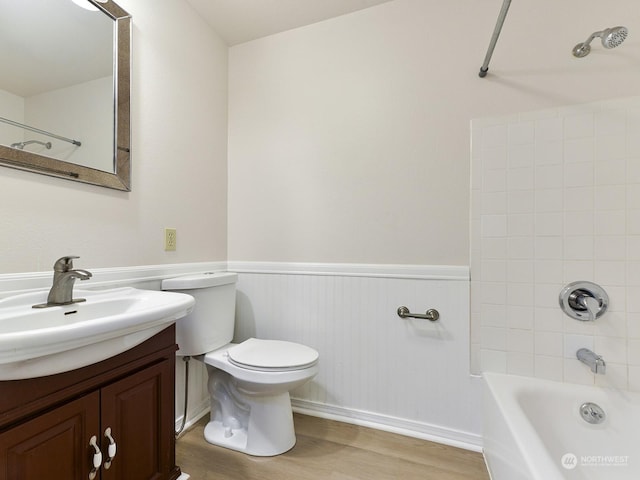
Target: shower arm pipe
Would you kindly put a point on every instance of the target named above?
(494, 38)
(42, 132)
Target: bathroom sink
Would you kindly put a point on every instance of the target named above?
(43, 341)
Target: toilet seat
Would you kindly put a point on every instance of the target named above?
(272, 355)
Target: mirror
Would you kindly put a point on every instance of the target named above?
(64, 91)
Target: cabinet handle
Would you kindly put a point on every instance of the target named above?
(97, 457)
(111, 449)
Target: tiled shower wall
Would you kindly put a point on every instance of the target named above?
(556, 199)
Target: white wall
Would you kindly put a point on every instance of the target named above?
(349, 139)
(179, 172)
(12, 107)
(82, 112)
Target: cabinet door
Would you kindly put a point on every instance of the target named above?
(55, 445)
(139, 409)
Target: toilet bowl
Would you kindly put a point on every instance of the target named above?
(249, 382)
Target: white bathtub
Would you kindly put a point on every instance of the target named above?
(533, 431)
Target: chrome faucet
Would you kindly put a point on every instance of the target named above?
(64, 276)
(593, 361)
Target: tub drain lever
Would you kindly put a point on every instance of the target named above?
(432, 314)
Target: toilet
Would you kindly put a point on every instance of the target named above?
(249, 382)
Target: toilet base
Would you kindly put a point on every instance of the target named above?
(269, 430)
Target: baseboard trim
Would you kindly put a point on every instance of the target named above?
(193, 416)
(402, 426)
(424, 272)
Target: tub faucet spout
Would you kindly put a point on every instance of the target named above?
(595, 362)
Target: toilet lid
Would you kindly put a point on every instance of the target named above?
(275, 355)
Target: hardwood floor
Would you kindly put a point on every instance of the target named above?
(329, 450)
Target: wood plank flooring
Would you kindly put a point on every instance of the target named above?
(329, 450)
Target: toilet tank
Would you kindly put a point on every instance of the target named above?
(210, 325)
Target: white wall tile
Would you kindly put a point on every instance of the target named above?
(610, 197)
(610, 147)
(616, 377)
(520, 363)
(493, 203)
(611, 122)
(610, 272)
(549, 248)
(549, 176)
(579, 126)
(579, 199)
(494, 338)
(549, 200)
(610, 172)
(612, 324)
(550, 344)
(493, 292)
(634, 351)
(578, 247)
(521, 224)
(549, 153)
(549, 224)
(519, 294)
(549, 129)
(579, 175)
(577, 372)
(519, 317)
(519, 156)
(520, 133)
(580, 220)
(573, 343)
(579, 223)
(520, 248)
(520, 179)
(494, 180)
(634, 378)
(494, 136)
(575, 270)
(493, 225)
(633, 324)
(550, 368)
(494, 247)
(579, 151)
(493, 361)
(610, 247)
(493, 315)
(520, 271)
(549, 319)
(494, 158)
(520, 201)
(493, 271)
(520, 341)
(613, 350)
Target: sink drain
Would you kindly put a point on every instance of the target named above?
(592, 413)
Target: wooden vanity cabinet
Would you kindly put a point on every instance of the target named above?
(46, 424)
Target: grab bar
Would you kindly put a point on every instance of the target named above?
(432, 314)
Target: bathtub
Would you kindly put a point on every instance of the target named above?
(533, 430)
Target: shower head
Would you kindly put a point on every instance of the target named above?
(611, 38)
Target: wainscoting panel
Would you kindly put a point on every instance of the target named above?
(375, 368)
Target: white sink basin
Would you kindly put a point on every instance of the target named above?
(44, 341)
